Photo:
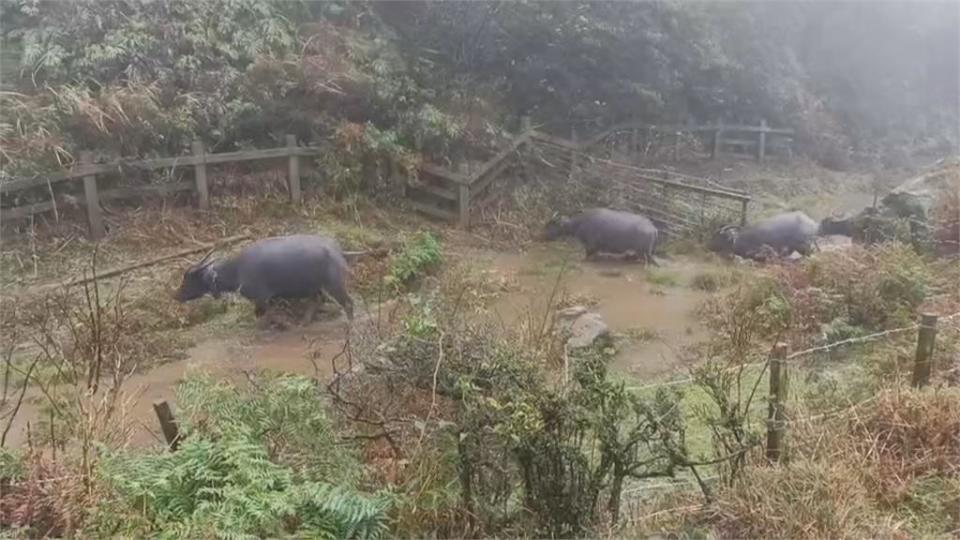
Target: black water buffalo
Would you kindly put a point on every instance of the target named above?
(602, 230)
(783, 234)
(297, 266)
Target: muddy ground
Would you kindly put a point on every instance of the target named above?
(651, 312)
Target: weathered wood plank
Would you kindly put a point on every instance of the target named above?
(501, 156)
(463, 206)
(433, 211)
(438, 191)
(556, 141)
(444, 173)
(293, 169)
(200, 176)
(132, 192)
(697, 189)
(92, 199)
(81, 170)
(483, 181)
(24, 211)
(120, 193)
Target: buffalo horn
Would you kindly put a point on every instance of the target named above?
(207, 256)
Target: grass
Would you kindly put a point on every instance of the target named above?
(642, 334)
(662, 278)
(714, 280)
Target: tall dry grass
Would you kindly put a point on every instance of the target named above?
(887, 468)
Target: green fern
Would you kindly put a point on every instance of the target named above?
(230, 479)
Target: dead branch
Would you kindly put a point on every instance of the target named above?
(142, 264)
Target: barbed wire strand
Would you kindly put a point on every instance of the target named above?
(830, 414)
(799, 354)
(664, 485)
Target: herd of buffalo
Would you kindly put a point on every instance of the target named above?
(306, 266)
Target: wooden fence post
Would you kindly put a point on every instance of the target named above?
(743, 212)
(464, 199)
(573, 151)
(926, 337)
(762, 141)
(676, 147)
(524, 124)
(92, 199)
(294, 173)
(200, 176)
(776, 426)
(167, 424)
(634, 137)
(717, 140)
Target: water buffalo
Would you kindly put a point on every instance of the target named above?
(602, 230)
(297, 266)
(783, 234)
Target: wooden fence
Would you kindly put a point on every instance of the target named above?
(755, 141)
(437, 182)
(449, 195)
(439, 192)
(676, 201)
(88, 171)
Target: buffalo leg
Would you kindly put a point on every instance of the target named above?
(805, 249)
(311, 310)
(591, 253)
(339, 293)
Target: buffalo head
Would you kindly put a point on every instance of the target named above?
(556, 227)
(835, 225)
(724, 239)
(198, 280)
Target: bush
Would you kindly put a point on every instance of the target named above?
(877, 286)
(257, 462)
(419, 255)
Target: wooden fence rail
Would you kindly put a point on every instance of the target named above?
(198, 159)
(753, 139)
(442, 193)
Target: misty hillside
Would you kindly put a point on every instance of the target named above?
(862, 83)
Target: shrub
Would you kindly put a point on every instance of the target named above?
(419, 255)
(260, 462)
(877, 286)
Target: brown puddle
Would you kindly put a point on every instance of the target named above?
(651, 308)
(287, 351)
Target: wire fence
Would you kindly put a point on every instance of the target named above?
(798, 354)
(776, 419)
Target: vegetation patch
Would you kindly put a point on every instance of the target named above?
(261, 461)
(418, 256)
(661, 278)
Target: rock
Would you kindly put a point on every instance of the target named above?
(571, 312)
(586, 330)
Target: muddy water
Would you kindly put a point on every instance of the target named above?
(228, 358)
(650, 310)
